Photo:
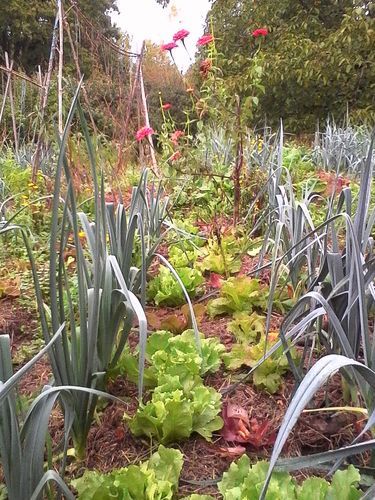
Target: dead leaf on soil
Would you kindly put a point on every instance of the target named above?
(10, 288)
(231, 451)
(215, 280)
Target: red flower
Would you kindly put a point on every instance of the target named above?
(176, 135)
(176, 156)
(167, 106)
(205, 40)
(180, 35)
(260, 32)
(169, 46)
(144, 132)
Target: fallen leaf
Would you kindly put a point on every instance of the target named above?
(153, 320)
(199, 311)
(215, 280)
(174, 324)
(231, 451)
(119, 433)
(10, 288)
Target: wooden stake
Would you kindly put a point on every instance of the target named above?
(9, 73)
(79, 75)
(60, 72)
(44, 101)
(128, 110)
(12, 110)
(147, 123)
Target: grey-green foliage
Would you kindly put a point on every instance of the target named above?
(22, 443)
(344, 292)
(341, 149)
(105, 282)
(343, 286)
(314, 380)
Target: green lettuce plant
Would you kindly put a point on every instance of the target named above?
(180, 404)
(247, 328)
(244, 480)
(221, 257)
(165, 289)
(252, 344)
(239, 294)
(177, 409)
(154, 479)
(166, 353)
(180, 257)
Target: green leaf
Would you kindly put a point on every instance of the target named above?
(165, 289)
(247, 328)
(167, 464)
(155, 479)
(239, 294)
(206, 406)
(313, 487)
(344, 485)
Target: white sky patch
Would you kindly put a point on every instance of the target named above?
(147, 20)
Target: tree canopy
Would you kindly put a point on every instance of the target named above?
(163, 83)
(26, 27)
(318, 57)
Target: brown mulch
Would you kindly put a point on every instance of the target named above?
(17, 322)
(111, 445)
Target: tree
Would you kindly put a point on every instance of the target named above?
(163, 81)
(26, 27)
(318, 55)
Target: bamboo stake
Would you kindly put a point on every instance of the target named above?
(9, 73)
(147, 123)
(60, 71)
(128, 110)
(12, 110)
(79, 74)
(46, 87)
(20, 75)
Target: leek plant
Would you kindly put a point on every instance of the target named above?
(99, 304)
(22, 444)
(23, 441)
(340, 149)
(343, 293)
(108, 282)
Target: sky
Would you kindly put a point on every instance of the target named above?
(145, 19)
